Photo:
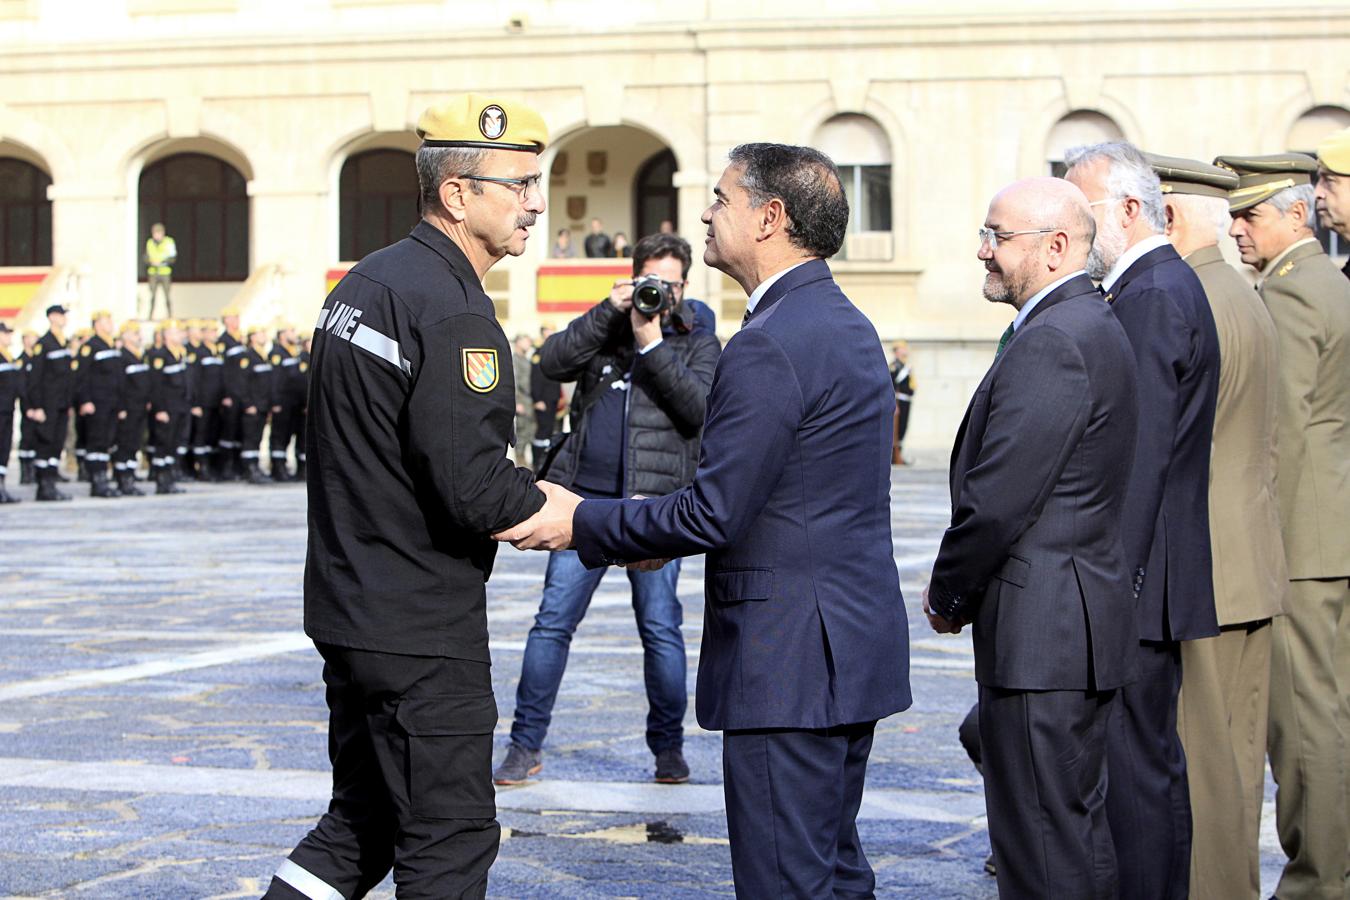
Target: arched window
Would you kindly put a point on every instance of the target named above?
(378, 200)
(25, 215)
(1304, 137)
(861, 150)
(655, 195)
(1078, 129)
(203, 204)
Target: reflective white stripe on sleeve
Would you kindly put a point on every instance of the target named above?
(385, 348)
(306, 882)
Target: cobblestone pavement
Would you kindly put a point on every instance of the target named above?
(162, 723)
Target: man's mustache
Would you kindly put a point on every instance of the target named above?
(526, 221)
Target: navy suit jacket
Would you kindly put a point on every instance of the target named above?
(1161, 303)
(804, 625)
(1038, 480)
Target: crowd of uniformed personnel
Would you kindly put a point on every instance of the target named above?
(194, 404)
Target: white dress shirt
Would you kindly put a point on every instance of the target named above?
(1039, 296)
(1130, 256)
(759, 292)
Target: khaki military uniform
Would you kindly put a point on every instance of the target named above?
(524, 420)
(1222, 717)
(1309, 301)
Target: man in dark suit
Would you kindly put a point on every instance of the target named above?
(1162, 305)
(805, 643)
(1033, 556)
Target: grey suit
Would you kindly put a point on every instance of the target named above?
(1034, 554)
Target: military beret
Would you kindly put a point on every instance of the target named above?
(473, 120)
(100, 314)
(255, 329)
(170, 323)
(229, 311)
(130, 325)
(28, 332)
(1334, 152)
(1262, 177)
(1190, 176)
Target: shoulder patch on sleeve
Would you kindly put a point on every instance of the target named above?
(159, 362)
(243, 362)
(276, 359)
(535, 358)
(74, 364)
(37, 349)
(481, 372)
(85, 351)
(192, 357)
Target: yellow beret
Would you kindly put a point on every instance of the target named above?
(1334, 152)
(255, 329)
(193, 323)
(28, 332)
(1262, 177)
(473, 120)
(170, 323)
(130, 325)
(1190, 176)
(99, 314)
(229, 311)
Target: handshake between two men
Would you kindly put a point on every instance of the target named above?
(551, 527)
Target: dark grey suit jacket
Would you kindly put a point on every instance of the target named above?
(1038, 479)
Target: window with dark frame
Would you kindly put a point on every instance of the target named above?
(377, 201)
(655, 196)
(203, 203)
(25, 215)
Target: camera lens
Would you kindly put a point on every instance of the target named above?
(650, 297)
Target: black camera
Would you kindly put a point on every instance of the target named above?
(652, 296)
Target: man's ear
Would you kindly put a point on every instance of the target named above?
(1169, 212)
(452, 194)
(773, 219)
(1299, 213)
(1131, 209)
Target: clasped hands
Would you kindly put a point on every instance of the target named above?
(938, 623)
(551, 527)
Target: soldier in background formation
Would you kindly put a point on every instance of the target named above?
(199, 395)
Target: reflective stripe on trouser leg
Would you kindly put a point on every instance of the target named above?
(306, 882)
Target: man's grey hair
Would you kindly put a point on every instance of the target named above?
(436, 164)
(1285, 200)
(1128, 175)
(1202, 210)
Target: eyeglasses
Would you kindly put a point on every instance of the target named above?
(522, 187)
(991, 237)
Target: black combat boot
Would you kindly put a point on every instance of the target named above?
(26, 471)
(6, 496)
(300, 470)
(279, 470)
(47, 490)
(126, 483)
(82, 470)
(255, 473)
(164, 481)
(99, 485)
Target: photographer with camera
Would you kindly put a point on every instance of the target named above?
(643, 374)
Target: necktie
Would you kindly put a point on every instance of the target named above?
(1003, 341)
(746, 318)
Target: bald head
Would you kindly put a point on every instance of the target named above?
(1056, 232)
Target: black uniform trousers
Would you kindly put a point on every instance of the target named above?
(27, 437)
(1043, 754)
(902, 420)
(285, 425)
(205, 433)
(410, 740)
(251, 431)
(49, 439)
(1149, 804)
(130, 433)
(167, 438)
(792, 799)
(100, 434)
(231, 427)
(6, 439)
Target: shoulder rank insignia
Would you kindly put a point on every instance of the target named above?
(243, 362)
(159, 362)
(85, 351)
(1285, 269)
(480, 369)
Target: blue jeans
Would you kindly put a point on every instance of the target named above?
(568, 587)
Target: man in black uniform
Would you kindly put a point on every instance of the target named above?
(288, 401)
(51, 389)
(11, 388)
(98, 378)
(133, 406)
(902, 377)
(545, 394)
(171, 406)
(300, 459)
(410, 414)
(27, 427)
(230, 347)
(254, 385)
(210, 387)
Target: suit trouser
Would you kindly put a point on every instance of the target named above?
(1221, 717)
(410, 740)
(792, 800)
(1044, 760)
(1309, 730)
(1148, 804)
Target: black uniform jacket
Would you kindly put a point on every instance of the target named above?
(51, 376)
(99, 375)
(291, 383)
(171, 376)
(134, 392)
(411, 407)
(209, 377)
(255, 382)
(12, 376)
